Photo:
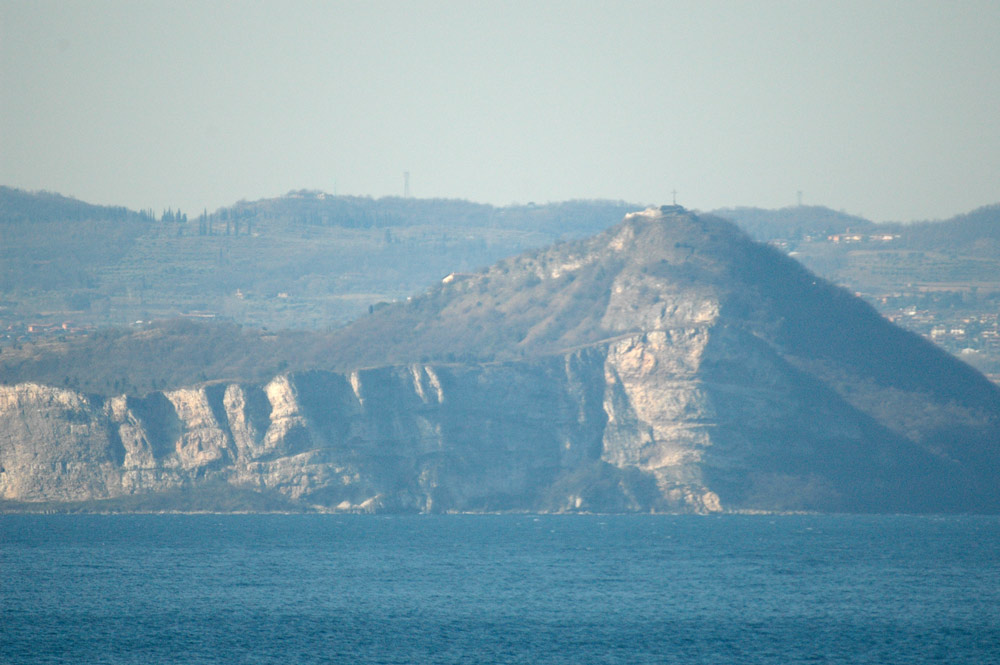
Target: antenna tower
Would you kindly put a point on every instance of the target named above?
(406, 184)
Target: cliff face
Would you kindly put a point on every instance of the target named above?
(690, 419)
(669, 365)
(505, 436)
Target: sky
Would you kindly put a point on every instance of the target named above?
(889, 110)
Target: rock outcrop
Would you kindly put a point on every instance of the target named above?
(668, 365)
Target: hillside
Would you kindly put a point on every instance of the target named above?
(940, 279)
(669, 363)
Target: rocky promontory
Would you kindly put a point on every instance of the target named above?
(668, 364)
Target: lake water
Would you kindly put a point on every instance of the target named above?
(301, 589)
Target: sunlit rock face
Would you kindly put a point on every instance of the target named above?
(669, 364)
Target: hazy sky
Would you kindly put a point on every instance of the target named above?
(890, 110)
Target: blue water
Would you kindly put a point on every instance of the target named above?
(302, 589)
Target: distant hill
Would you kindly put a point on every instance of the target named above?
(51, 243)
(18, 206)
(795, 223)
(669, 363)
(305, 261)
(569, 219)
(976, 233)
